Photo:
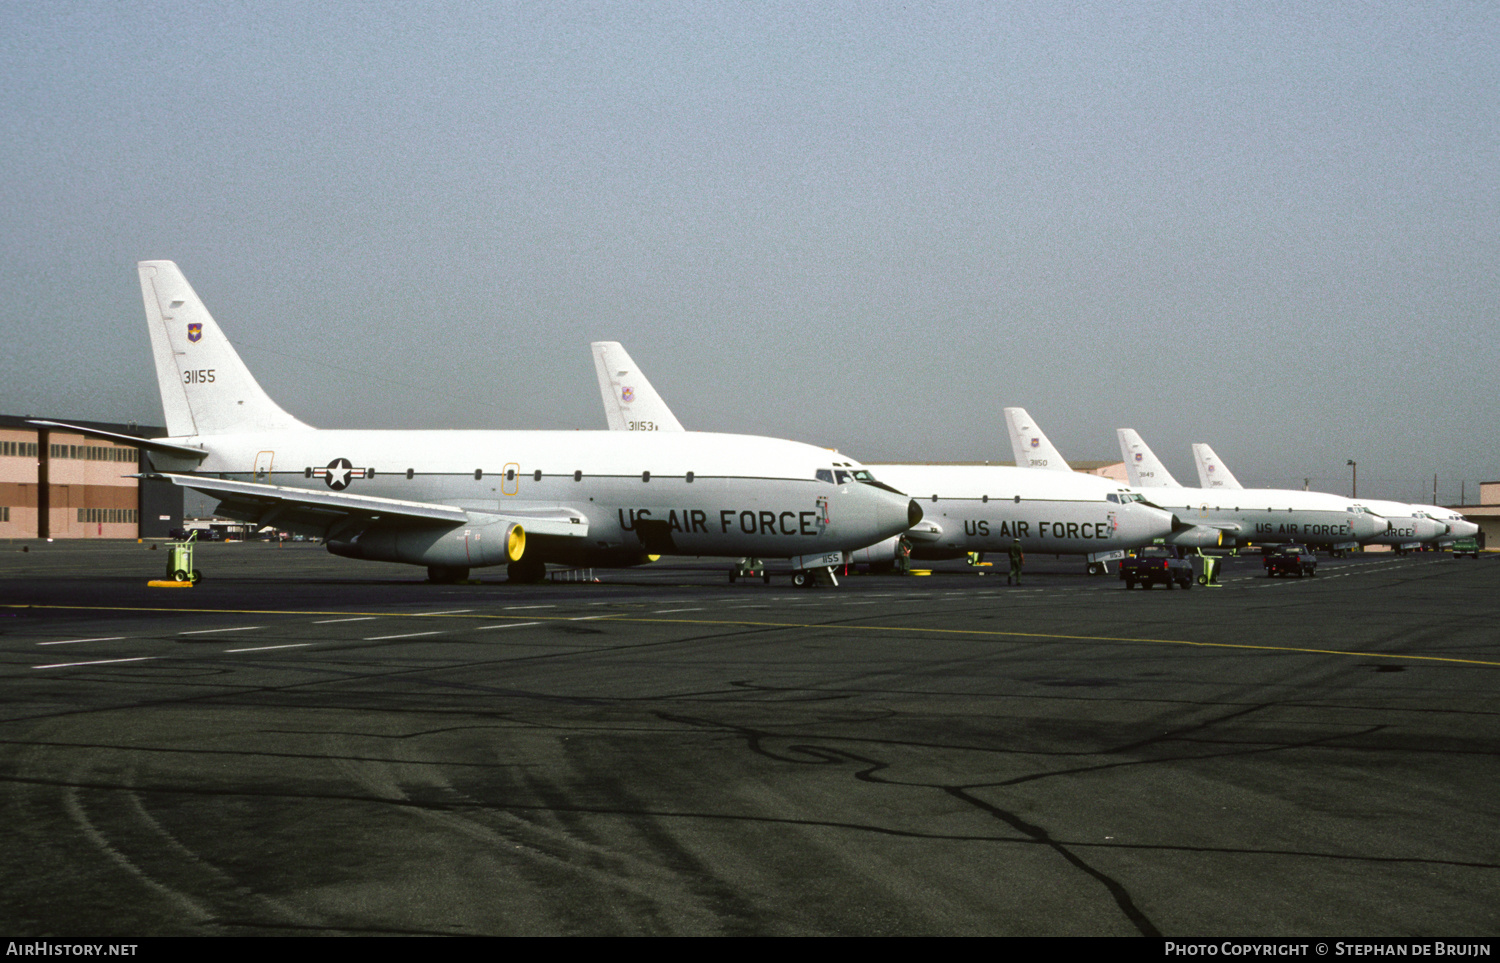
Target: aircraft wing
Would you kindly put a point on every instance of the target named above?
(1221, 526)
(322, 512)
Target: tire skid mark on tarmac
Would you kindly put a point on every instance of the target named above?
(75, 807)
(548, 839)
(802, 753)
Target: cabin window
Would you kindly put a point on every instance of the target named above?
(984, 499)
(410, 473)
(536, 475)
(307, 472)
(510, 474)
(934, 498)
(645, 476)
(478, 473)
(1018, 499)
(689, 478)
(578, 476)
(369, 473)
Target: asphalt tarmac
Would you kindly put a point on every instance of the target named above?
(304, 744)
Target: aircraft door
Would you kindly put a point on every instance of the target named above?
(263, 460)
(512, 481)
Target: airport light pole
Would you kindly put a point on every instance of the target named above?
(1354, 481)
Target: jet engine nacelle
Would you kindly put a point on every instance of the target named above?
(1198, 536)
(466, 546)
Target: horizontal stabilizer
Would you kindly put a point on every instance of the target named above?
(164, 447)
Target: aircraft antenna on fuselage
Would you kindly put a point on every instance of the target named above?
(205, 387)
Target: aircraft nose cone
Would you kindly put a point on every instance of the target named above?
(913, 513)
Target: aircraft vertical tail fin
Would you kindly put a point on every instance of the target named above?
(1142, 466)
(1212, 473)
(205, 387)
(630, 402)
(1029, 445)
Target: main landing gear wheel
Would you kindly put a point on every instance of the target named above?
(801, 579)
(446, 574)
(1096, 568)
(526, 571)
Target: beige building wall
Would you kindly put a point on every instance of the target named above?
(91, 493)
(18, 471)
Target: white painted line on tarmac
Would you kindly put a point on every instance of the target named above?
(238, 628)
(509, 607)
(66, 665)
(670, 611)
(504, 625)
(408, 635)
(263, 648)
(447, 612)
(108, 638)
(357, 618)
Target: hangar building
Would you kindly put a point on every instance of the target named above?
(56, 483)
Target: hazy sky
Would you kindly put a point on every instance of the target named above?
(1271, 227)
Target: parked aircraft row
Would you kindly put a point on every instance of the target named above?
(457, 500)
(962, 517)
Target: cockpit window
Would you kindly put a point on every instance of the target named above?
(861, 475)
(843, 476)
(825, 475)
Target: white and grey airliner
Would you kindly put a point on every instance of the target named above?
(456, 500)
(1410, 525)
(1458, 525)
(966, 508)
(1259, 515)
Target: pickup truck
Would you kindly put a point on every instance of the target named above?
(1468, 545)
(1287, 560)
(1157, 563)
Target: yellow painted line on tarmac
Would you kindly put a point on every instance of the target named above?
(919, 630)
(1058, 637)
(198, 611)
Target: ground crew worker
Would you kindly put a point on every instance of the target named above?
(1017, 559)
(903, 556)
